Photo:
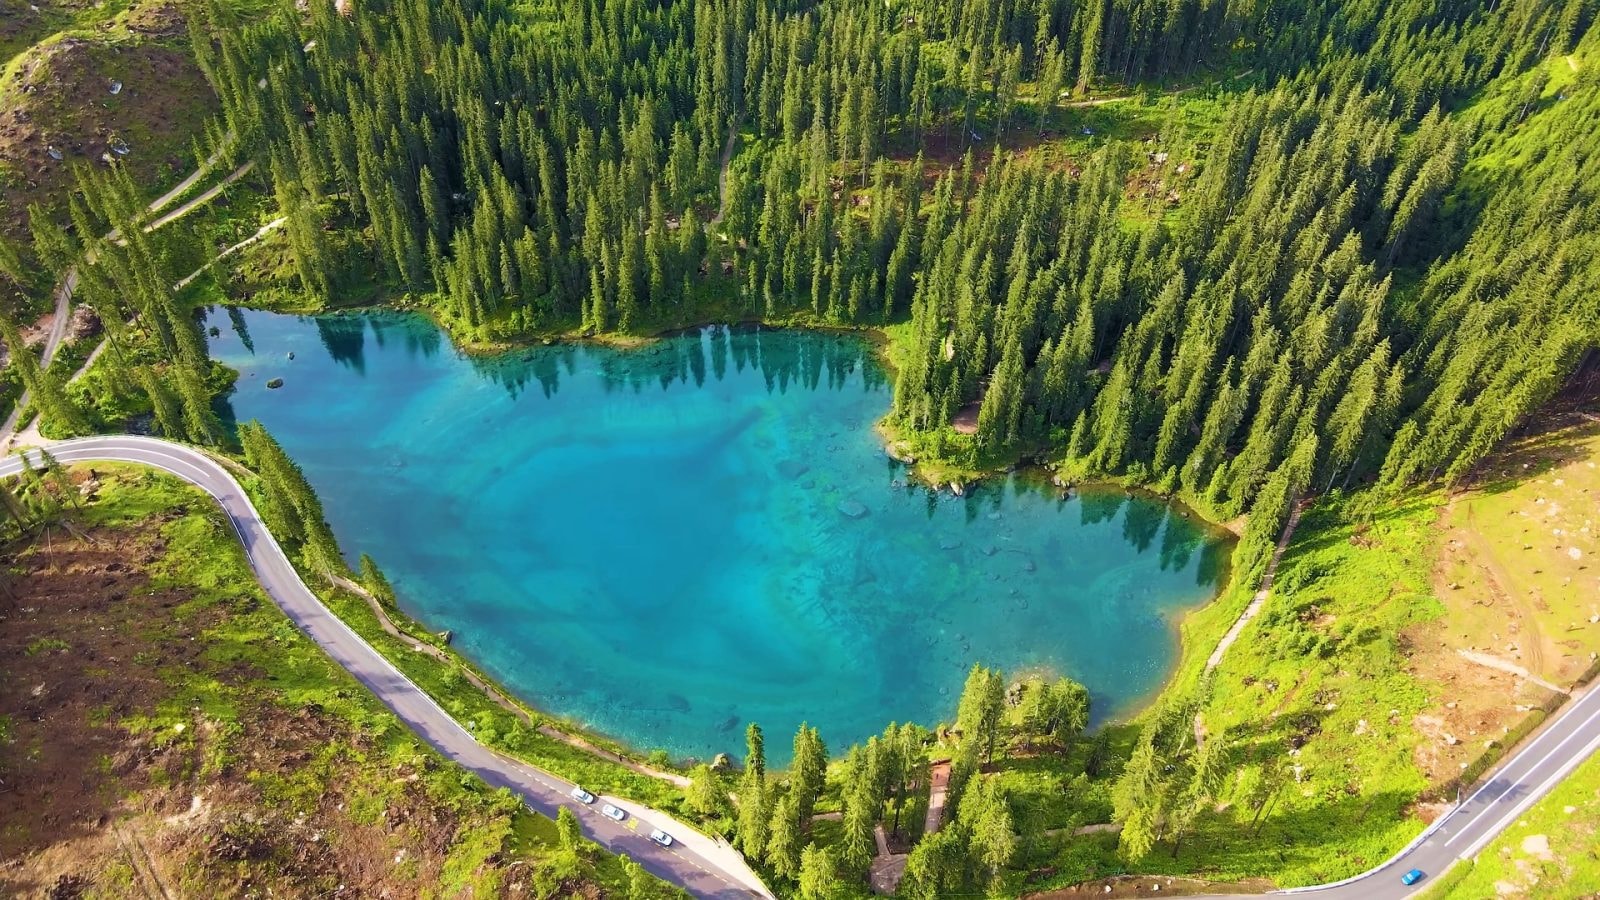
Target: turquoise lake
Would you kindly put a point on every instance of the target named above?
(665, 544)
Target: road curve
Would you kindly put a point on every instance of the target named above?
(1571, 737)
(682, 864)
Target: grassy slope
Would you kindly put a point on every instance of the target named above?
(198, 728)
(56, 69)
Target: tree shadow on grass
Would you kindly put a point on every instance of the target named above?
(1532, 456)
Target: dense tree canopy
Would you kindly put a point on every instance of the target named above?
(1342, 292)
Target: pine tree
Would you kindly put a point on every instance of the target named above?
(783, 844)
(807, 773)
(819, 876)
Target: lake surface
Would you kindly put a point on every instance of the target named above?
(668, 543)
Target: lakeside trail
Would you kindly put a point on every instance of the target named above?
(1252, 608)
(1263, 593)
(938, 783)
(498, 696)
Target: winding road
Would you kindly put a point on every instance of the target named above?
(705, 868)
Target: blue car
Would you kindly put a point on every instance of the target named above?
(1412, 877)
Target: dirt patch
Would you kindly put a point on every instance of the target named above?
(1515, 567)
(1519, 561)
(136, 760)
(126, 91)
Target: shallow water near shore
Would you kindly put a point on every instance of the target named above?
(668, 543)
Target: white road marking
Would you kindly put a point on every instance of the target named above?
(1534, 768)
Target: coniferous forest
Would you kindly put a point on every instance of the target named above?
(1364, 277)
(1356, 244)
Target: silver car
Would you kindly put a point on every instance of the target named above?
(611, 812)
(661, 837)
(581, 795)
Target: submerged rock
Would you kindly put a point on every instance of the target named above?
(949, 543)
(274, 383)
(853, 508)
(792, 468)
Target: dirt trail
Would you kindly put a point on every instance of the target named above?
(1261, 595)
(1510, 668)
(939, 781)
(494, 693)
(1530, 640)
(722, 175)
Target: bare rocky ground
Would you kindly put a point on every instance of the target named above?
(144, 753)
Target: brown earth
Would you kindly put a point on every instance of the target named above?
(59, 96)
(98, 799)
(1512, 566)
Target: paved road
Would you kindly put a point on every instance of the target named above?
(58, 330)
(1572, 736)
(708, 872)
(1529, 774)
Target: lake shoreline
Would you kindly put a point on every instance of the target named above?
(1039, 472)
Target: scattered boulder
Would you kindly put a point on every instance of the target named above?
(852, 508)
(447, 636)
(1537, 845)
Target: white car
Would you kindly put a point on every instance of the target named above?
(661, 837)
(581, 795)
(611, 812)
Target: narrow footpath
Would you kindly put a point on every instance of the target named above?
(62, 314)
